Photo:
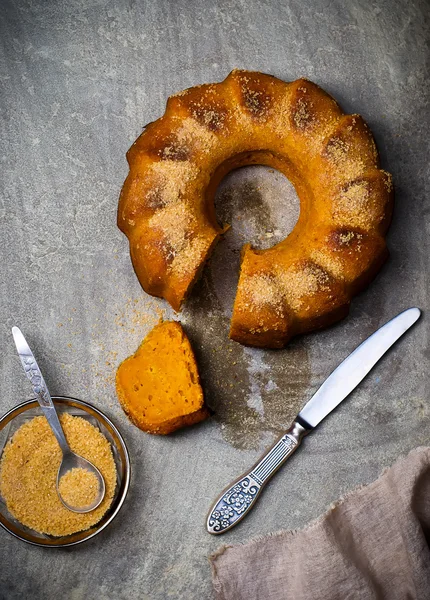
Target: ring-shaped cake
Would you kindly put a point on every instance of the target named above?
(302, 283)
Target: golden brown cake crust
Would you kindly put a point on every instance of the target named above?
(306, 281)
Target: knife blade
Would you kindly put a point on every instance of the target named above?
(236, 501)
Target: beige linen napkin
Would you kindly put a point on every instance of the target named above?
(372, 545)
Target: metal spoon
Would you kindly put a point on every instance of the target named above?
(70, 459)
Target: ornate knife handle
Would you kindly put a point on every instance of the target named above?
(237, 500)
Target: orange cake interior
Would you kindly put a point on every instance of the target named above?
(159, 386)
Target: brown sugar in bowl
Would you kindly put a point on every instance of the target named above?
(28, 473)
(10, 423)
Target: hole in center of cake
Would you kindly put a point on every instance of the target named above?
(262, 207)
(259, 203)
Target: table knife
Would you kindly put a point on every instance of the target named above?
(238, 499)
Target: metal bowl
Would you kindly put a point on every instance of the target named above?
(13, 419)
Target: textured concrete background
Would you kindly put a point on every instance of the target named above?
(79, 81)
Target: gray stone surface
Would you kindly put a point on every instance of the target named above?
(79, 81)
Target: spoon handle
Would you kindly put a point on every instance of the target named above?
(39, 386)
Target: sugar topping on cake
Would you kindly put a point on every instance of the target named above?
(302, 281)
(170, 180)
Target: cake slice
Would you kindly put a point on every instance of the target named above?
(159, 386)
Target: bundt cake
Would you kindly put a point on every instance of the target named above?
(159, 386)
(306, 281)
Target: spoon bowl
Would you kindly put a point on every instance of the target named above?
(74, 461)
